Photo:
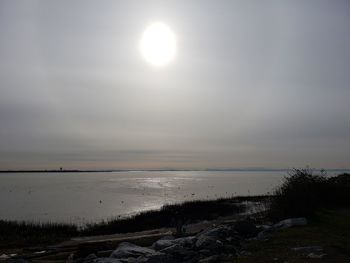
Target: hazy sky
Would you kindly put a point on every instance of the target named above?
(253, 84)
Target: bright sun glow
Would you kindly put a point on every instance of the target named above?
(158, 44)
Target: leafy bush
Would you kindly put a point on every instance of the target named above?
(303, 192)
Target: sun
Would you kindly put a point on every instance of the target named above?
(158, 44)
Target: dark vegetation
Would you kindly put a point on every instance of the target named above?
(303, 193)
(168, 216)
(27, 233)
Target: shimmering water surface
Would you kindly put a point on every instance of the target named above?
(87, 197)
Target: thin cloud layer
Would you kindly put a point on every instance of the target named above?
(253, 85)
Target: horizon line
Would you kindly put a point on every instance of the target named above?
(163, 170)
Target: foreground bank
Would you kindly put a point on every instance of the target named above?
(19, 234)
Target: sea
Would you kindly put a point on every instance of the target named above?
(86, 197)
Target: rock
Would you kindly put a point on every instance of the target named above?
(234, 240)
(205, 252)
(269, 230)
(89, 258)
(103, 253)
(179, 252)
(245, 253)
(213, 239)
(220, 232)
(301, 221)
(246, 229)
(187, 242)
(211, 259)
(266, 234)
(127, 260)
(169, 237)
(184, 242)
(108, 260)
(157, 257)
(161, 244)
(263, 227)
(126, 250)
(174, 249)
(210, 243)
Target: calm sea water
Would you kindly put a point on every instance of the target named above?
(87, 197)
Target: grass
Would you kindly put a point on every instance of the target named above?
(168, 216)
(26, 233)
(329, 229)
(14, 234)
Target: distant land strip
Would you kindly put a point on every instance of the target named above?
(167, 170)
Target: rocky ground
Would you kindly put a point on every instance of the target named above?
(216, 241)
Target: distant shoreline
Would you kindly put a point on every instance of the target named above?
(166, 170)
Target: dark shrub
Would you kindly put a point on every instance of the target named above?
(303, 192)
(339, 190)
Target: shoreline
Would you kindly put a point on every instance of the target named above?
(167, 170)
(33, 233)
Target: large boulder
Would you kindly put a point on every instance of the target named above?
(290, 222)
(210, 243)
(128, 250)
(161, 244)
(174, 249)
(179, 252)
(186, 242)
(214, 239)
(219, 233)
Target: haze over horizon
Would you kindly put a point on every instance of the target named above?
(252, 84)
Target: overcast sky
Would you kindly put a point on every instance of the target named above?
(253, 84)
